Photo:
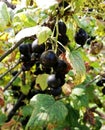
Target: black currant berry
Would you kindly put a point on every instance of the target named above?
(62, 28)
(55, 91)
(63, 39)
(46, 69)
(81, 37)
(25, 49)
(25, 58)
(38, 48)
(27, 65)
(48, 58)
(53, 81)
(100, 83)
(103, 90)
(60, 67)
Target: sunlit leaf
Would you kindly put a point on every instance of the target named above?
(42, 81)
(43, 33)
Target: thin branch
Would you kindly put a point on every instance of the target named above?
(11, 49)
(12, 80)
(15, 108)
(102, 115)
(9, 4)
(95, 78)
(10, 69)
(93, 109)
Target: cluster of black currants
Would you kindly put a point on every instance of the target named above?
(46, 60)
(100, 83)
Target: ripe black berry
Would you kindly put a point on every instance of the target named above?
(60, 67)
(25, 58)
(37, 48)
(55, 91)
(25, 49)
(63, 39)
(81, 37)
(62, 27)
(53, 81)
(100, 82)
(48, 58)
(46, 69)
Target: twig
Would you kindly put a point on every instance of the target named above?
(12, 80)
(97, 77)
(15, 108)
(102, 115)
(11, 49)
(9, 4)
(93, 109)
(9, 69)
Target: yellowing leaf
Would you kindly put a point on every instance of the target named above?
(43, 34)
(78, 67)
(42, 81)
(4, 36)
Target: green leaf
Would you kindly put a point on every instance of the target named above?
(2, 118)
(25, 89)
(73, 116)
(4, 16)
(78, 91)
(17, 82)
(79, 101)
(42, 81)
(42, 33)
(78, 67)
(46, 110)
(27, 110)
